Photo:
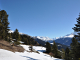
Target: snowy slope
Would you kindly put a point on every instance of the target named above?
(8, 55)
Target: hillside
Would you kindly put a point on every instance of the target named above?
(8, 55)
(6, 45)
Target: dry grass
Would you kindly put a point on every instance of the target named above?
(6, 45)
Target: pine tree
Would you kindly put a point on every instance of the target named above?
(67, 54)
(5, 23)
(75, 45)
(16, 34)
(17, 37)
(55, 50)
(78, 51)
(48, 47)
(77, 29)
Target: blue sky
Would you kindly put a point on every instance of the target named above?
(51, 18)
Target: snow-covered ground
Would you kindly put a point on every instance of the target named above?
(8, 55)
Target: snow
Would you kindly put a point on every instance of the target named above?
(46, 39)
(70, 36)
(56, 38)
(67, 36)
(8, 55)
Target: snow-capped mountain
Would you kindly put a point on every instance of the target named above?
(46, 39)
(66, 40)
(69, 35)
(66, 36)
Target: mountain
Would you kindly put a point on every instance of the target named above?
(66, 40)
(46, 39)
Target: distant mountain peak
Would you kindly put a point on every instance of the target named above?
(69, 35)
(44, 38)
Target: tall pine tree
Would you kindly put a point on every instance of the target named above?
(55, 49)
(67, 54)
(16, 36)
(5, 23)
(48, 47)
(75, 45)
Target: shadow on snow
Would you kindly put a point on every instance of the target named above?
(30, 58)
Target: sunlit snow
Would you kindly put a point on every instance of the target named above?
(8, 55)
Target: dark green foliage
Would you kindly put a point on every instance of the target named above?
(4, 25)
(28, 40)
(67, 54)
(54, 47)
(78, 51)
(17, 37)
(48, 47)
(75, 45)
(73, 48)
(16, 34)
(55, 51)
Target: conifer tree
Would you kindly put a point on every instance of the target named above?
(55, 49)
(18, 40)
(67, 54)
(48, 47)
(19, 37)
(5, 23)
(75, 44)
(16, 36)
